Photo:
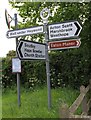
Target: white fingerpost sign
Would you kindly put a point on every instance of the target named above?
(24, 32)
(64, 30)
(28, 50)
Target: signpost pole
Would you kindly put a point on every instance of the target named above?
(18, 75)
(45, 21)
(47, 66)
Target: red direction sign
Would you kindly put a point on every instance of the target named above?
(65, 44)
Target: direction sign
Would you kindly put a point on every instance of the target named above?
(65, 44)
(27, 50)
(64, 30)
(24, 32)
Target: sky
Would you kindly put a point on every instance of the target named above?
(5, 44)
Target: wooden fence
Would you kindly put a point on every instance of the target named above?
(83, 100)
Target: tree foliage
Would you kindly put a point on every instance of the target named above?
(67, 67)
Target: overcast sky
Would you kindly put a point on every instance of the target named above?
(5, 44)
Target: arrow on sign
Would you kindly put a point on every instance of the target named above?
(64, 30)
(65, 44)
(20, 46)
(78, 28)
(27, 50)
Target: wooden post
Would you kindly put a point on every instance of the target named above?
(84, 102)
(90, 94)
(64, 111)
(82, 89)
(90, 84)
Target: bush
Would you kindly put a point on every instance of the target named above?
(67, 68)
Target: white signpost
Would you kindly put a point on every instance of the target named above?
(64, 30)
(28, 50)
(24, 32)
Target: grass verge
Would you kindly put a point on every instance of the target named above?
(34, 103)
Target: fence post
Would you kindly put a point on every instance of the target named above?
(64, 111)
(90, 84)
(84, 102)
(90, 93)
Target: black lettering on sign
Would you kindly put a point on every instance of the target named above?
(28, 55)
(29, 45)
(67, 25)
(14, 33)
(39, 56)
(55, 27)
(27, 50)
(37, 51)
(21, 32)
(58, 35)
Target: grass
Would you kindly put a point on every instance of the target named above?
(34, 103)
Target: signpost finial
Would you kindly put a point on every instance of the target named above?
(44, 14)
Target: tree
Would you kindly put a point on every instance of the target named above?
(11, 54)
(69, 67)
